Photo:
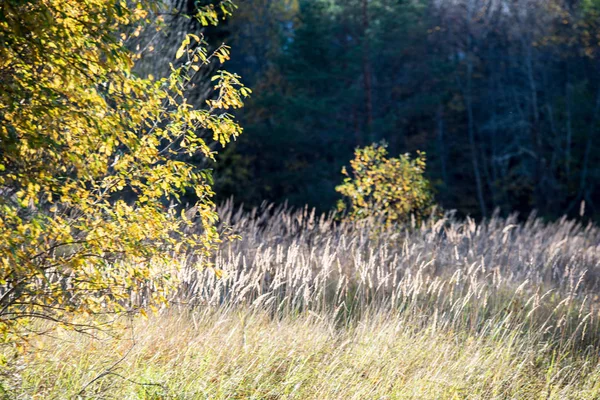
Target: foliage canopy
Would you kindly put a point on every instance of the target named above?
(91, 155)
(503, 97)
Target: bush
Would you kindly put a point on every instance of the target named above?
(391, 189)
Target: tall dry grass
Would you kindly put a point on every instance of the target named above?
(308, 307)
(447, 273)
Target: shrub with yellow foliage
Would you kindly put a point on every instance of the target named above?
(390, 189)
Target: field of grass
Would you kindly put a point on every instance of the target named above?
(311, 309)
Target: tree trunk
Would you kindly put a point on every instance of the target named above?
(442, 148)
(366, 69)
(569, 132)
(469, 104)
(472, 144)
(538, 170)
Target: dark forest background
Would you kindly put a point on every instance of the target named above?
(502, 95)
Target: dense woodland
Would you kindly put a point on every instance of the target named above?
(503, 96)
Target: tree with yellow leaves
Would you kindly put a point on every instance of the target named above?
(91, 156)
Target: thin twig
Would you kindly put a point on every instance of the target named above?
(110, 370)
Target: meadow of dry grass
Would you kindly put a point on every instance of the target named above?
(312, 309)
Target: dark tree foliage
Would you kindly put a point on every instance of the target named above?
(504, 97)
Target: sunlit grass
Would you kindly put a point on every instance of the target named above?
(307, 308)
(236, 354)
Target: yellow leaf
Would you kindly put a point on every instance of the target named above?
(180, 52)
